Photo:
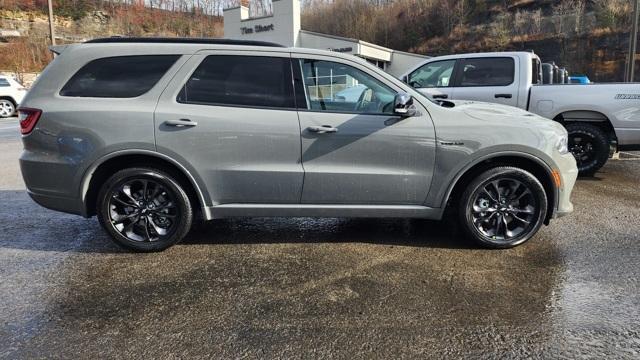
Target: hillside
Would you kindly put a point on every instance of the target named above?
(587, 36)
(78, 20)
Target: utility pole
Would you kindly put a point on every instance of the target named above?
(633, 43)
(51, 25)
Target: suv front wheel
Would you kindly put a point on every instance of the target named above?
(503, 207)
(144, 209)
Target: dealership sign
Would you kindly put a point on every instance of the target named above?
(342, 50)
(257, 29)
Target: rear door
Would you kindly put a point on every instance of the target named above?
(354, 149)
(230, 117)
(488, 79)
(434, 79)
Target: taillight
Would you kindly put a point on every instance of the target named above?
(28, 119)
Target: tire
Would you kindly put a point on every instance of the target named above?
(7, 108)
(148, 223)
(481, 207)
(589, 144)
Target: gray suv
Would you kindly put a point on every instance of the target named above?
(152, 134)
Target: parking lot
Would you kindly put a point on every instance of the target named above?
(343, 288)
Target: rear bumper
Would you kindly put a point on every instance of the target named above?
(50, 183)
(57, 203)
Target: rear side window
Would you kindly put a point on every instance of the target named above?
(118, 77)
(256, 81)
(4, 82)
(487, 72)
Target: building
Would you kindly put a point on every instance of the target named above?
(283, 27)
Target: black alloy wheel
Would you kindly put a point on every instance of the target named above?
(503, 207)
(144, 209)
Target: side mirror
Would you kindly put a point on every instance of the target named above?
(403, 105)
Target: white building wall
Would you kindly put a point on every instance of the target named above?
(402, 62)
(283, 27)
(313, 41)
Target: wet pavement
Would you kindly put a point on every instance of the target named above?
(346, 288)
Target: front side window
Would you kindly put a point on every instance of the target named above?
(432, 75)
(488, 72)
(118, 77)
(234, 80)
(336, 87)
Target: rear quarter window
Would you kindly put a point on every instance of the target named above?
(118, 77)
(4, 83)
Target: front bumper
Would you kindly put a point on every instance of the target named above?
(566, 165)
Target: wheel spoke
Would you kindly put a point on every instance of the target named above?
(157, 229)
(156, 190)
(506, 227)
(168, 205)
(519, 218)
(485, 191)
(146, 229)
(130, 226)
(496, 187)
(528, 210)
(126, 189)
(123, 218)
(525, 192)
(114, 197)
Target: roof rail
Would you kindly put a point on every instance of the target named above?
(171, 40)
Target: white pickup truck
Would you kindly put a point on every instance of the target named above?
(598, 117)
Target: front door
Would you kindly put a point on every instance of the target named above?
(233, 122)
(354, 149)
(434, 79)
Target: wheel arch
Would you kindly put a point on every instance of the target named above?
(10, 98)
(530, 163)
(592, 117)
(108, 165)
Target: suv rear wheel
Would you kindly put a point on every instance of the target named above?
(503, 207)
(144, 209)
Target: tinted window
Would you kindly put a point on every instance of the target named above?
(331, 86)
(241, 81)
(119, 77)
(435, 74)
(4, 82)
(487, 72)
(536, 68)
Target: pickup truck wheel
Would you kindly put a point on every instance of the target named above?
(144, 209)
(589, 145)
(503, 207)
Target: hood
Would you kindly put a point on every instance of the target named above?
(492, 113)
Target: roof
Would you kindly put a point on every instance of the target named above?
(156, 40)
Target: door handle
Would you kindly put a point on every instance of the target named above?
(180, 123)
(506, 96)
(440, 96)
(323, 129)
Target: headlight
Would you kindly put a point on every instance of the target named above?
(562, 145)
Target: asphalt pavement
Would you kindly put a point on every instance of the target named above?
(322, 288)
